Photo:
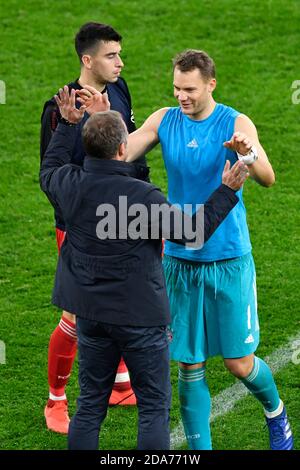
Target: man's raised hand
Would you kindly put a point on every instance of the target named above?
(93, 100)
(239, 142)
(65, 100)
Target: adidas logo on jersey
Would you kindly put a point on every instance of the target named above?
(250, 339)
(193, 144)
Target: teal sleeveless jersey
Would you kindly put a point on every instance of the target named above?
(194, 158)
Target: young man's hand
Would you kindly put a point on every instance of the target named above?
(65, 100)
(235, 176)
(93, 100)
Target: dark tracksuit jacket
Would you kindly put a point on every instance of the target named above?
(120, 282)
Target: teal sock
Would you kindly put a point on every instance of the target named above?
(261, 384)
(195, 407)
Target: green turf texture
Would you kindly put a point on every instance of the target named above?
(255, 45)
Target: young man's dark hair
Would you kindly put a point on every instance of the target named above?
(192, 59)
(103, 133)
(89, 36)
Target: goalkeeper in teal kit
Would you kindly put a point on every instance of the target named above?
(212, 291)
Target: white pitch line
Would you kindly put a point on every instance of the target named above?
(226, 400)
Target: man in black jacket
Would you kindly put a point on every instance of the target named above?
(115, 283)
(98, 47)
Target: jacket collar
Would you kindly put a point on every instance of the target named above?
(76, 85)
(109, 167)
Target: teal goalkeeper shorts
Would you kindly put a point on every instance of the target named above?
(213, 308)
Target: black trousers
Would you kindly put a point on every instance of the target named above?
(146, 353)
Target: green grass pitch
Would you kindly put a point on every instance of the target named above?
(255, 45)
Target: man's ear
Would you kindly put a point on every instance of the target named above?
(122, 151)
(121, 154)
(87, 61)
(212, 85)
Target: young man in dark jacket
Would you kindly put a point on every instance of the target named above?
(113, 283)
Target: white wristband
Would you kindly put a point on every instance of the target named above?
(250, 157)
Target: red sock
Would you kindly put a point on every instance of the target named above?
(122, 380)
(61, 355)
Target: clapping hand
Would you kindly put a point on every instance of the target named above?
(93, 100)
(65, 100)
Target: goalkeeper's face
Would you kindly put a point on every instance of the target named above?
(105, 63)
(192, 92)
